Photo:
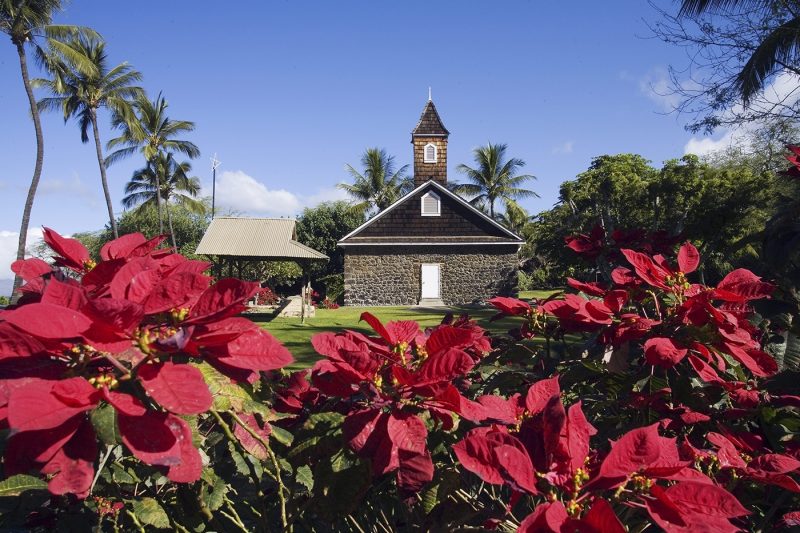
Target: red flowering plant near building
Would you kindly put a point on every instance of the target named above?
(392, 386)
(122, 352)
(678, 359)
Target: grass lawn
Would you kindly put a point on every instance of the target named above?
(297, 337)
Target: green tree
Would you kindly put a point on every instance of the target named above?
(720, 209)
(380, 185)
(189, 227)
(514, 217)
(494, 178)
(172, 179)
(322, 226)
(149, 131)
(79, 92)
(25, 21)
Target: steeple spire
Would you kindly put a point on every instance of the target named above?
(430, 146)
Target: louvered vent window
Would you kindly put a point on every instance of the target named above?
(431, 206)
(430, 153)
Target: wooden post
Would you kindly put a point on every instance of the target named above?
(303, 301)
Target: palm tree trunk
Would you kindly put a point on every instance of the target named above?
(171, 231)
(37, 169)
(158, 201)
(103, 180)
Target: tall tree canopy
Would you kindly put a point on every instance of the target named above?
(81, 84)
(379, 185)
(322, 226)
(720, 209)
(172, 179)
(494, 178)
(150, 131)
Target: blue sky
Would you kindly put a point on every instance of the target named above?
(287, 93)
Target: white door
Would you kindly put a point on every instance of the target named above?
(430, 281)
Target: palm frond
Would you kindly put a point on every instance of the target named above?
(778, 48)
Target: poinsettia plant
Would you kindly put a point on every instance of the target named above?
(117, 353)
(132, 390)
(697, 372)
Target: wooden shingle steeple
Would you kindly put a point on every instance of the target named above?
(430, 147)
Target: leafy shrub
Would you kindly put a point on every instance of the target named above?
(265, 296)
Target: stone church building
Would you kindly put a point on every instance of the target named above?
(430, 247)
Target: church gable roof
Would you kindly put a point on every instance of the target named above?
(458, 223)
(430, 123)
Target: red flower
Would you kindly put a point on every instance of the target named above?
(120, 336)
(384, 382)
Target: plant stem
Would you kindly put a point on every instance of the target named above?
(100, 466)
(275, 464)
(135, 520)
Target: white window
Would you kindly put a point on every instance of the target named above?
(429, 154)
(431, 205)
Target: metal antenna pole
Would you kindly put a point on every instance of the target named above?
(214, 164)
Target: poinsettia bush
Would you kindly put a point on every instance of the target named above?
(112, 373)
(133, 393)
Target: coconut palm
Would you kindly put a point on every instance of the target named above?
(379, 186)
(776, 51)
(24, 21)
(172, 179)
(149, 131)
(514, 217)
(79, 94)
(494, 178)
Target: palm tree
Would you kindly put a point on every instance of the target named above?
(149, 131)
(776, 51)
(172, 179)
(80, 94)
(380, 185)
(494, 178)
(24, 21)
(514, 217)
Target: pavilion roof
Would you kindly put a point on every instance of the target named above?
(255, 238)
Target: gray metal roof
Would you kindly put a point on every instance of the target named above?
(264, 238)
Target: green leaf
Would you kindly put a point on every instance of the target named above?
(150, 512)
(430, 498)
(104, 420)
(282, 436)
(120, 475)
(238, 460)
(16, 485)
(305, 477)
(227, 396)
(214, 490)
(329, 420)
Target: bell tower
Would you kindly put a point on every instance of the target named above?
(430, 147)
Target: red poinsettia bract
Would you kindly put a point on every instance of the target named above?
(388, 384)
(121, 336)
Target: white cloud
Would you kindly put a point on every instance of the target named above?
(564, 148)
(242, 193)
(73, 187)
(706, 145)
(330, 194)
(8, 248)
(657, 85)
(784, 88)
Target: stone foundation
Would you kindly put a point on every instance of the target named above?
(390, 275)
